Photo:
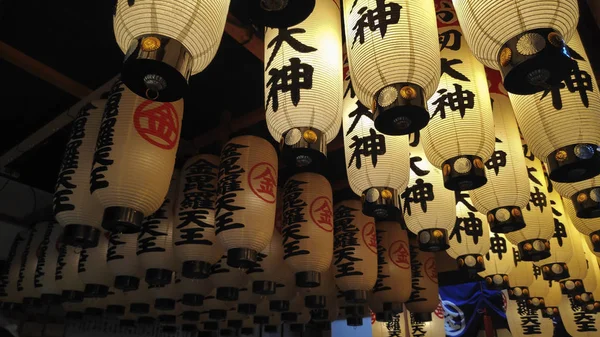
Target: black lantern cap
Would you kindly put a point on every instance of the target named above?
(83, 236)
(122, 220)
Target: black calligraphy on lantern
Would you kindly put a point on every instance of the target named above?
(585, 322)
(497, 160)
(415, 168)
(150, 232)
(537, 199)
(345, 242)
(42, 252)
(379, 18)
(460, 100)
(560, 232)
(417, 327)
(114, 242)
(372, 145)
(579, 81)
(83, 259)
(419, 193)
(10, 259)
(256, 267)
(60, 262)
(381, 263)
(290, 78)
(285, 35)
(393, 327)
(498, 245)
(450, 39)
(357, 114)
(24, 259)
(230, 182)
(473, 227)
(416, 268)
(447, 69)
(293, 217)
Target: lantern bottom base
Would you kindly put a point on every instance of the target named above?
(587, 203)
(190, 316)
(385, 316)
(127, 323)
(164, 304)
(574, 163)
(505, 219)
(535, 303)
(497, 281)
(534, 249)
(217, 315)
(139, 308)
(271, 328)
(404, 109)
(355, 311)
(472, 263)
(279, 306)
(315, 301)
(235, 324)
(356, 296)
(146, 320)
(555, 271)
(247, 331)
(127, 283)
(381, 203)
(308, 279)
(51, 299)
(297, 327)
(72, 296)
(325, 326)
(595, 239)
(195, 269)
(158, 277)
(246, 309)
(319, 314)
(394, 308)
(167, 319)
(289, 317)
(518, 293)
(74, 316)
(81, 236)
(433, 239)
(228, 294)
(261, 319)
(464, 173)
(422, 316)
(94, 312)
(584, 298)
(122, 220)
(304, 149)
(95, 291)
(354, 321)
(192, 300)
(264, 287)
(550, 312)
(291, 12)
(241, 257)
(115, 310)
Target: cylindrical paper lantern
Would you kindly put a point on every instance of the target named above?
(377, 165)
(195, 245)
(303, 85)
(139, 300)
(47, 255)
(94, 307)
(576, 321)
(280, 13)
(394, 57)
(459, 138)
(286, 291)
(26, 281)
(524, 322)
(537, 290)
(307, 227)
(235, 320)
(318, 297)
(116, 306)
(393, 265)
(470, 237)
(246, 198)
(596, 292)
(67, 274)
(267, 269)
(155, 242)
(354, 251)
(499, 262)
(227, 280)
(247, 328)
(328, 314)
(274, 325)
(74, 206)
(560, 124)
(520, 277)
(73, 311)
(533, 240)
(507, 189)
(585, 196)
(293, 312)
(12, 297)
(303, 319)
(247, 300)
(192, 291)
(590, 282)
(392, 325)
(419, 327)
(424, 296)
(526, 40)
(93, 269)
(588, 227)
(165, 296)
(164, 43)
(429, 208)
(262, 314)
(217, 309)
(578, 269)
(122, 261)
(134, 158)
(552, 300)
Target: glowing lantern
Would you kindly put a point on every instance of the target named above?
(166, 43)
(246, 198)
(47, 256)
(429, 208)
(552, 300)
(393, 325)
(74, 206)
(11, 297)
(530, 53)
(507, 189)
(522, 320)
(217, 309)
(424, 296)
(280, 13)
(395, 63)
(262, 313)
(93, 269)
(590, 282)
(319, 297)
(561, 127)
(134, 158)
(194, 243)
(576, 321)
(115, 303)
(418, 327)
(122, 261)
(520, 277)
(537, 290)
(499, 262)
(307, 227)
(286, 291)
(67, 275)
(303, 85)
(266, 271)
(248, 300)
(139, 301)
(578, 269)
(293, 312)
(227, 280)
(584, 195)
(192, 291)
(165, 296)
(247, 328)
(470, 237)
(596, 292)
(460, 135)
(585, 226)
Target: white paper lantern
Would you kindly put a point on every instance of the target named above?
(303, 85)
(424, 298)
(195, 246)
(319, 297)
(262, 313)
(596, 292)
(217, 309)
(576, 321)
(248, 300)
(121, 259)
(578, 269)
(585, 196)
(392, 326)
(523, 321)
(307, 227)
(165, 296)
(429, 208)
(67, 274)
(590, 282)
(267, 269)
(520, 277)
(560, 123)
(460, 135)
(227, 280)
(26, 281)
(432, 328)
(193, 291)
(45, 271)
(246, 198)
(538, 289)
(74, 206)
(139, 300)
(588, 227)
(134, 158)
(93, 269)
(507, 187)
(524, 39)
(552, 300)
(116, 306)
(167, 42)
(286, 291)
(11, 296)
(499, 262)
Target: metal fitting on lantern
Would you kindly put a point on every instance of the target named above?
(535, 303)
(190, 316)
(247, 331)
(400, 109)
(473, 263)
(51, 299)
(587, 203)
(595, 239)
(555, 271)
(433, 239)
(354, 321)
(497, 281)
(122, 220)
(381, 203)
(574, 163)
(195, 269)
(354, 314)
(463, 173)
(157, 67)
(572, 287)
(115, 310)
(95, 291)
(32, 302)
(505, 219)
(592, 307)
(394, 308)
(305, 149)
(584, 299)
(246, 309)
(127, 323)
(315, 301)
(534, 60)
(188, 328)
(550, 312)
(534, 249)
(384, 316)
(167, 319)
(356, 296)
(127, 283)
(280, 13)
(81, 236)
(270, 328)
(308, 279)
(261, 319)
(206, 333)
(228, 294)
(319, 314)
(72, 296)
(193, 300)
(139, 308)
(279, 306)
(518, 293)
(217, 315)
(297, 328)
(235, 324)
(146, 320)
(241, 257)
(422, 316)
(164, 304)
(289, 317)
(158, 277)
(264, 287)
(94, 312)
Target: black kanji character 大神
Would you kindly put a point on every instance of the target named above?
(496, 161)
(498, 245)
(291, 79)
(379, 18)
(372, 146)
(357, 114)
(419, 193)
(285, 35)
(460, 100)
(447, 69)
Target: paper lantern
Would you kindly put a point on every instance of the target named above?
(525, 40)
(165, 296)
(578, 269)
(302, 321)
(94, 307)
(507, 189)
(74, 206)
(248, 300)
(328, 314)
(354, 251)
(552, 300)
(235, 320)
(115, 303)
(67, 274)
(192, 291)
(93, 269)
(286, 291)
(166, 43)
(262, 314)
(424, 296)
(576, 321)
(393, 265)
(195, 244)
(134, 158)
(247, 328)
(12, 298)
(274, 325)
(307, 227)
(73, 311)
(394, 326)
(588, 227)
(293, 312)
(139, 301)
(533, 240)
(217, 309)
(319, 297)
(121, 259)
(523, 321)
(460, 135)
(227, 280)
(590, 282)
(47, 256)
(418, 327)
(155, 242)
(499, 262)
(280, 13)
(520, 277)
(377, 165)
(267, 269)
(429, 208)
(538, 289)
(584, 195)
(303, 85)
(26, 281)
(595, 306)
(394, 60)
(246, 198)
(560, 123)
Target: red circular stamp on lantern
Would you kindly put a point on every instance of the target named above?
(399, 254)
(430, 270)
(263, 181)
(321, 213)
(439, 311)
(369, 236)
(157, 123)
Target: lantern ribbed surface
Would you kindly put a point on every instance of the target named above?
(93, 268)
(138, 141)
(354, 247)
(194, 234)
(393, 265)
(499, 260)
(403, 49)
(578, 263)
(307, 223)
(223, 275)
(539, 286)
(564, 116)
(554, 295)
(121, 255)
(47, 256)
(67, 270)
(12, 268)
(424, 295)
(575, 320)
(507, 181)
(517, 313)
(591, 278)
(470, 235)
(584, 226)
(303, 73)
(461, 113)
(198, 25)
(269, 261)
(246, 193)
(520, 275)
(29, 260)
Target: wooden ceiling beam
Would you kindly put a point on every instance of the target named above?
(245, 36)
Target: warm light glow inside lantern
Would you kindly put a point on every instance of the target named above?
(517, 312)
(537, 290)
(588, 227)
(499, 262)
(520, 277)
(266, 271)
(578, 269)
(424, 296)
